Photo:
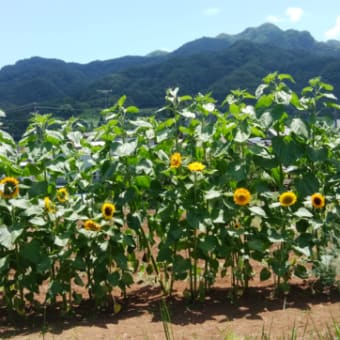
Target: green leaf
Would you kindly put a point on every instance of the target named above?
(75, 137)
(257, 244)
(38, 221)
(8, 235)
(307, 185)
(264, 101)
(218, 216)
(208, 244)
(134, 221)
(266, 120)
(126, 149)
(61, 242)
(20, 203)
(258, 211)
(304, 240)
(275, 237)
(34, 210)
(314, 81)
(193, 219)
(238, 172)
(132, 109)
(299, 127)
(287, 151)
(242, 135)
(282, 97)
(212, 194)
(55, 288)
(317, 154)
(265, 274)
(284, 76)
(303, 212)
(301, 271)
(180, 264)
(143, 181)
(113, 278)
(54, 137)
(164, 254)
(4, 263)
(121, 101)
(32, 251)
(127, 279)
(260, 89)
(302, 251)
(141, 123)
(38, 189)
(302, 225)
(334, 106)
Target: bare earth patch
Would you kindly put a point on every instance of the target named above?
(253, 315)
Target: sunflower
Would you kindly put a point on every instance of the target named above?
(108, 209)
(196, 166)
(242, 196)
(9, 187)
(91, 225)
(237, 225)
(287, 198)
(49, 205)
(62, 195)
(175, 160)
(318, 201)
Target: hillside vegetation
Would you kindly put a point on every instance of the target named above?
(206, 65)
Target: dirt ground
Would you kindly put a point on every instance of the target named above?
(255, 315)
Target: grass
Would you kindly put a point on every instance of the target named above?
(309, 331)
(166, 320)
(330, 332)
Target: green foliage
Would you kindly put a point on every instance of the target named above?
(199, 191)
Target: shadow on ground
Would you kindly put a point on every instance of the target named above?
(148, 300)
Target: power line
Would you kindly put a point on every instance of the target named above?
(34, 107)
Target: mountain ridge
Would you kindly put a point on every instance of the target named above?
(206, 64)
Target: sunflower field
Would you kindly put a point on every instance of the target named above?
(202, 190)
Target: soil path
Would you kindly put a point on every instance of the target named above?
(255, 315)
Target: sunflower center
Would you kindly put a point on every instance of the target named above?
(9, 188)
(317, 201)
(242, 198)
(287, 199)
(108, 211)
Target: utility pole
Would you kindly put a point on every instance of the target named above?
(106, 95)
(35, 107)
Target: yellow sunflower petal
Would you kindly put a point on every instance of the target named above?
(49, 205)
(196, 166)
(62, 195)
(287, 198)
(318, 200)
(175, 160)
(242, 196)
(91, 225)
(9, 187)
(108, 209)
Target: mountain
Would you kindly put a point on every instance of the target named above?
(207, 64)
(39, 79)
(242, 65)
(264, 34)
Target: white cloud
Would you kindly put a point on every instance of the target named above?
(211, 11)
(273, 19)
(334, 32)
(294, 13)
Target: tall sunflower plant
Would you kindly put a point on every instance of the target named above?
(195, 191)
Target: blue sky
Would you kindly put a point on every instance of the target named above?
(87, 30)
